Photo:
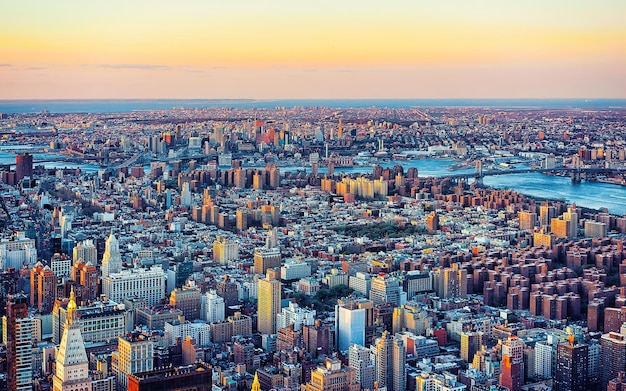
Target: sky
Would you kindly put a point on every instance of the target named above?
(270, 49)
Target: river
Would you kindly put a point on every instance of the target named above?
(594, 195)
(589, 194)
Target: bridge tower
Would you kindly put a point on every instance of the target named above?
(576, 172)
(478, 173)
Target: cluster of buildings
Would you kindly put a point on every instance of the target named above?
(194, 262)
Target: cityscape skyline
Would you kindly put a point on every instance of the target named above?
(327, 50)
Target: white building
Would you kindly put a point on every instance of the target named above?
(336, 278)
(111, 259)
(212, 307)
(61, 265)
(545, 357)
(185, 195)
(349, 326)
(72, 365)
(148, 284)
(17, 252)
(361, 282)
(199, 331)
(85, 251)
(362, 360)
(295, 269)
(296, 315)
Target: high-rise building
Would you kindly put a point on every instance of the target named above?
(229, 291)
(572, 216)
(439, 382)
(450, 282)
(61, 265)
(361, 282)
(350, 322)
(416, 282)
(512, 367)
(17, 252)
(72, 365)
(545, 357)
(432, 222)
(43, 284)
(99, 321)
(390, 362)
(399, 365)
(85, 251)
(187, 299)
(471, 342)
(212, 307)
(571, 366)
(225, 250)
(111, 259)
(269, 293)
(148, 284)
(613, 356)
(23, 166)
(527, 220)
(241, 324)
(86, 275)
(316, 338)
(332, 377)
(294, 314)
(135, 353)
(19, 331)
(385, 289)
(360, 358)
(546, 214)
(266, 258)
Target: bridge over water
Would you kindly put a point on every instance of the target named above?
(576, 173)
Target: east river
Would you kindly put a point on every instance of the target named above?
(594, 195)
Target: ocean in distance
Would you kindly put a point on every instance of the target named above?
(129, 105)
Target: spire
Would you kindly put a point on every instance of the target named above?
(256, 386)
(71, 307)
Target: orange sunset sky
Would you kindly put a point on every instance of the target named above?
(313, 49)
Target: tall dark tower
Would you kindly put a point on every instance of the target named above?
(571, 366)
(17, 308)
(23, 166)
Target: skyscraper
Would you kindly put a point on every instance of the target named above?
(225, 250)
(19, 344)
(111, 259)
(360, 359)
(43, 285)
(135, 353)
(545, 352)
(613, 356)
(350, 322)
(85, 251)
(266, 258)
(512, 367)
(571, 366)
(187, 299)
(72, 365)
(269, 304)
(385, 289)
(471, 342)
(332, 377)
(23, 166)
(212, 307)
(390, 362)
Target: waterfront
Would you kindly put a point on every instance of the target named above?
(593, 195)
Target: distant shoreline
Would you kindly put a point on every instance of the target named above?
(57, 106)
